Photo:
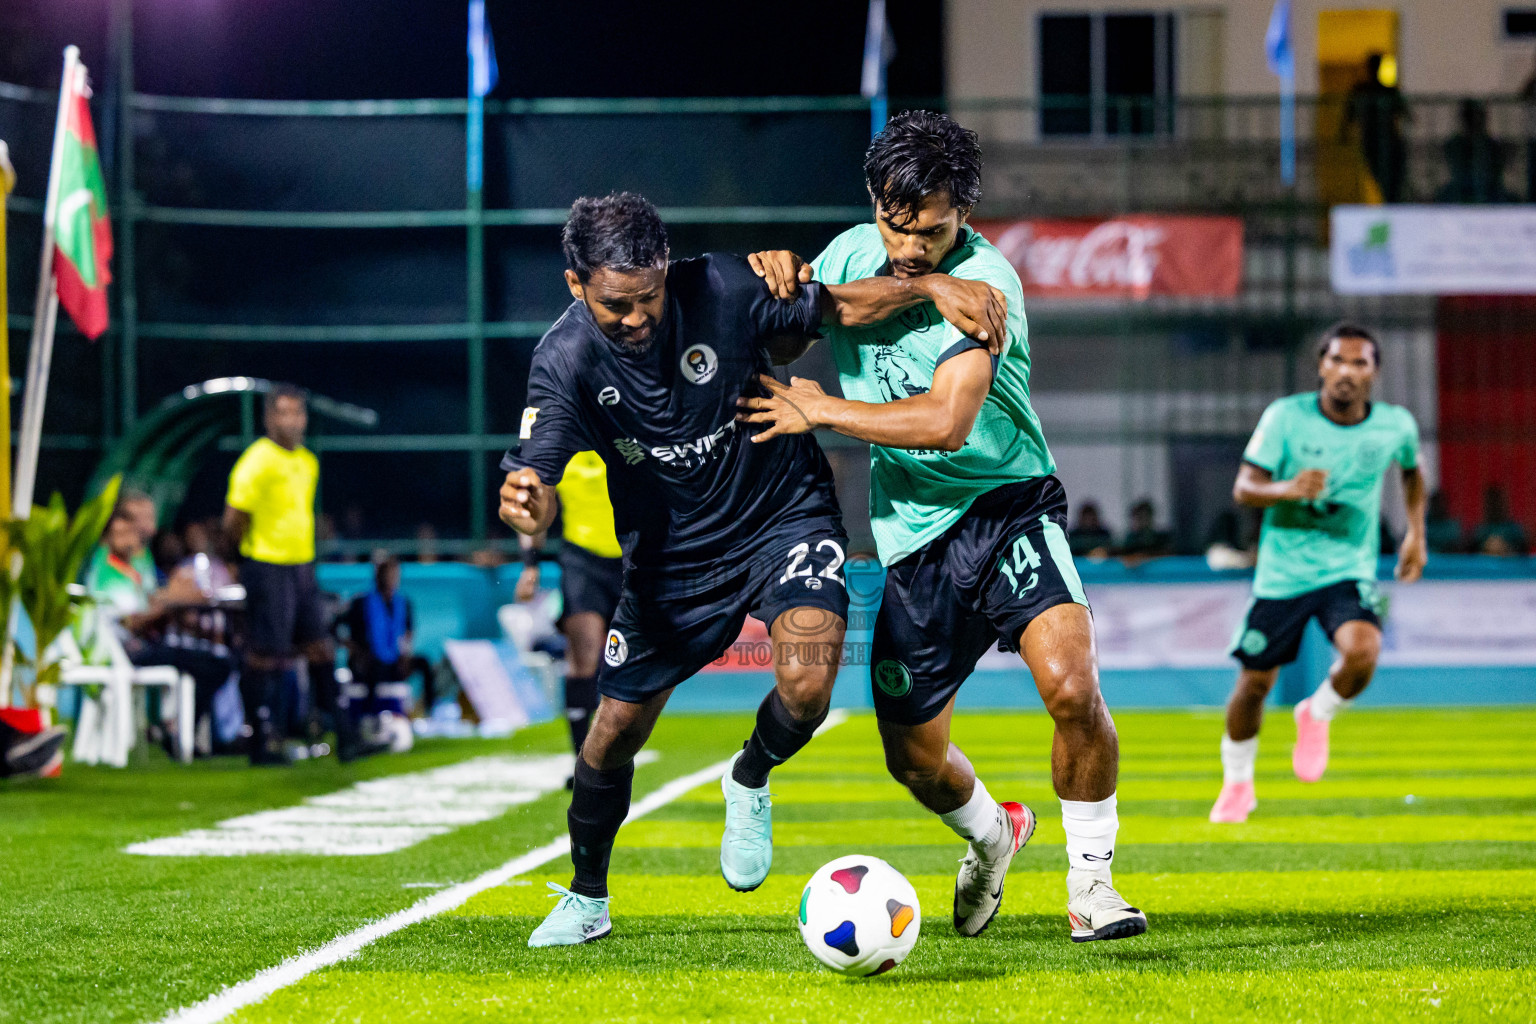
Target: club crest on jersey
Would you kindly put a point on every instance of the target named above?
(608, 396)
(525, 431)
(699, 363)
(617, 649)
(893, 678)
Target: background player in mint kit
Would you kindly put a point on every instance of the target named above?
(967, 517)
(645, 368)
(1316, 464)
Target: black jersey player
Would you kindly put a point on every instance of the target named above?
(645, 368)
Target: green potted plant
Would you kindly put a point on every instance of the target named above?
(47, 552)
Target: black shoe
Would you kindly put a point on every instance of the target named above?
(267, 747)
(359, 748)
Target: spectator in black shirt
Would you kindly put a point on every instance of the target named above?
(1144, 539)
(1089, 538)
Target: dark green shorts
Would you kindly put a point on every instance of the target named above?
(1271, 633)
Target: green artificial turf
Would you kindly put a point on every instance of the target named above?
(1401, 887)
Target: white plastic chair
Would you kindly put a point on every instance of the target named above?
(525, 625)
(105, 733)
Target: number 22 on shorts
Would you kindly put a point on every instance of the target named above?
(800, 552)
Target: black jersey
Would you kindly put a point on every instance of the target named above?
(691, 493)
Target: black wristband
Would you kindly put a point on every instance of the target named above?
(530, 558)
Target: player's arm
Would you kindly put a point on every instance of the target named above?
(241, 496)
(551, 432)
(978, 309)
(1413, 553)
(1257, 487)
(236, 522)
(939, 419)
(527, 503)
(784, 349)
(528, 580)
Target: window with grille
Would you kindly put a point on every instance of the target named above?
(1107, 74)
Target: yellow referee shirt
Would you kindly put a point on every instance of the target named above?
(276, 487)
(584, 507)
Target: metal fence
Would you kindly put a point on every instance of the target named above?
(333, 244)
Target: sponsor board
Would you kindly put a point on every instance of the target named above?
(1125, 257)
(1433, 250)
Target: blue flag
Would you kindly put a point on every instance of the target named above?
(1282, 61)
(482, 51)
(1277, 41)
(879, 48)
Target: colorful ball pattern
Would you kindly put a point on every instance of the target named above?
(859, 916)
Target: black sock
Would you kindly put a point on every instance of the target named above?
(580, 702)
(269, 698)
(266, 710)
(293, 703)
(777, 737)
(599, 804)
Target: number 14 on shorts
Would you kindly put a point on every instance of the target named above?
(1022, 560)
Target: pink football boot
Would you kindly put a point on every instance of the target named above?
(1234, 804)
(1309, 758)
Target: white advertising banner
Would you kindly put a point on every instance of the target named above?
(1191, 625)
(1159, 625)
(1433, 250)
(1463, 622)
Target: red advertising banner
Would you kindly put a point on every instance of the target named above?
(1127, 257)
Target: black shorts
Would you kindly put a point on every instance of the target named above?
(588, 582)
(978, 583)
(1270, 634)
(283, 607)
(657, 640)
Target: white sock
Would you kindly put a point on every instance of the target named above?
(1237, 757)
(978, 820)
(1090, 826)
(1326, 702)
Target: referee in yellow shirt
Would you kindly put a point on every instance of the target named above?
(591, 578)
(270, 513)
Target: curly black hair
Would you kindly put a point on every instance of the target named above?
(920, 153)
(621, 231)
(1349, 329)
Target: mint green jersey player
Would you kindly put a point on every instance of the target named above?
(915, 495)
(1306, 546)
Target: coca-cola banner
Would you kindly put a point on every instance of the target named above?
(1127, 257)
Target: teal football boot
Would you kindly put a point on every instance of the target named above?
(574, 920)
(746, 849)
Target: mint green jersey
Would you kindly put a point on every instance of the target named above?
(916, 495)
(1313, 544)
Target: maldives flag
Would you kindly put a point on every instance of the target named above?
(82, 234)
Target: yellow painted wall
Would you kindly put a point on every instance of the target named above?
(1345, 38)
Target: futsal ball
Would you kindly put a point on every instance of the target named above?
(859, 916)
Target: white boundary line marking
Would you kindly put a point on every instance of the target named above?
(256, 988)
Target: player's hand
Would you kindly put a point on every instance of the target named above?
(1412, 556)
(783, 270)
(977, 308)
(1307, 485)
(524, 501)
(789, 408)
(527, 585)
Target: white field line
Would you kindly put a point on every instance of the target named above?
(378, 816)
(236, 997)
